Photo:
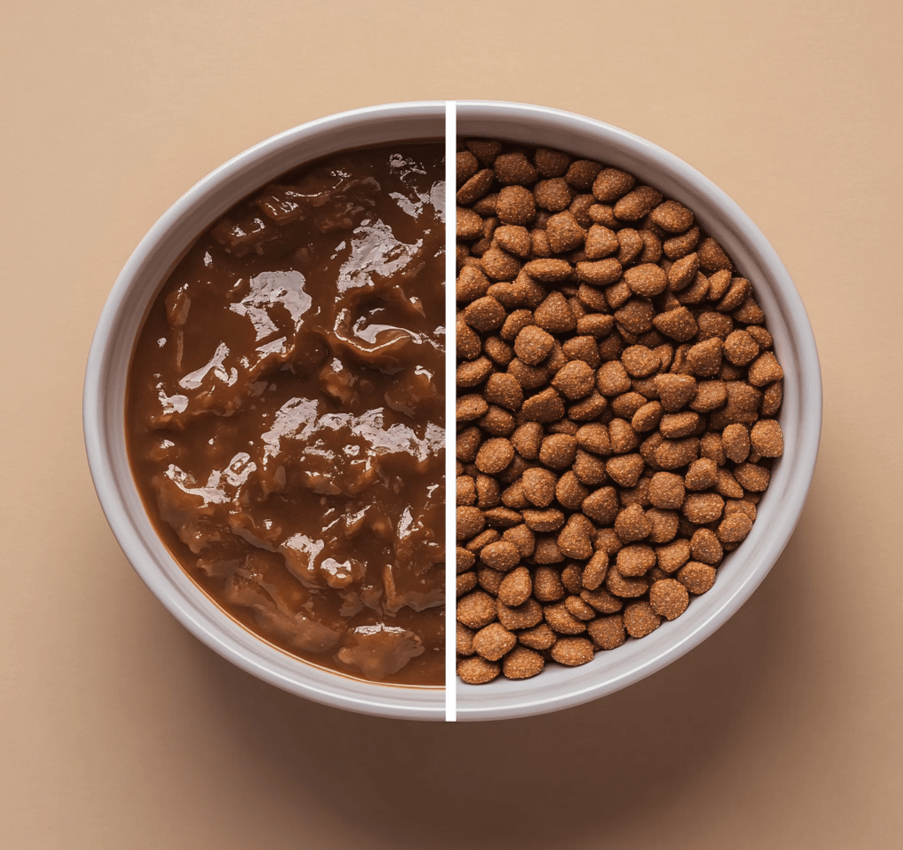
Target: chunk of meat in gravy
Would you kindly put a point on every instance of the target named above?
(285, 413)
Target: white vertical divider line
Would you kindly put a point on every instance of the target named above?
(451, 674)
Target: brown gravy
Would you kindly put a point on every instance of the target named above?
(285, 413)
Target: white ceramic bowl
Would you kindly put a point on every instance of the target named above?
(557, 687)
(104, 398)
(800, 415)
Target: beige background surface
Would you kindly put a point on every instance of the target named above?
(117, 729)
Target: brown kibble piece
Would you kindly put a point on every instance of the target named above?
(599, 272)
(516, 206)
(523, 616)
(522, 663)
(734, 528)
(494, 455)
(514, 169)
(625, 469)
(608, 632)
(705, 547)
(702, 474)
(647, 280)
(547, 586)
(477, 670)
(640, 620)
(675, 391)
(765, 370)
(712, 257)
(475, 187)
(533, 345)
(767, 439)
(463, 639)
(752, 477)
(572, 651)
(702, 508)
(516, 587)
(611, 184)
(476, 610)
(636, 560)
(493, 641)
(667, 491)
(637, 203)
(545, 406)
(564, 233)
(704, 358)
(673, 556)
(555, 315)
(736, 443)
(632, 525)
(612, 379)
(697, 578)
(672, 217)
(575, 380)
(501, 555)
(562, 621)
(668, 598)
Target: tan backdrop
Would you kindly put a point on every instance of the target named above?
(117, 729)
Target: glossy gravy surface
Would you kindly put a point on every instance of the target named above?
(285, 413)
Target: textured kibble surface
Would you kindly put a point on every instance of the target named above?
(618, 403)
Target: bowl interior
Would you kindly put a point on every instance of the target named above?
(104, 401)
(800, 415)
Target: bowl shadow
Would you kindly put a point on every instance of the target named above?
(512, 780)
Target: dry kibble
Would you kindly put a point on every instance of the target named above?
(702, 474)
(572, 651)
(647, 280)
(636, 560)
(705, 547)
(667, 598)
(696, 577)
(734, 528)
(637, 203)
(523, 616)
(617, 395)
(493, 642)
(516, 587)
(608, 632)
(494, 455)
(477, 671)
(465, 583)
(673, 556)
(632, 525)
(476, 610)
(522, 663)
(562, 621)
(575, 380)
(501, 555)
(767, 439)
(612, 379)
(765, 370)
(640, 620)
(625, 469)
(736, 443)
(675, 391)
(667, 490)
(752, 477)
(702, 508)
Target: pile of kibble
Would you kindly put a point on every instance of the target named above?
(616, 395)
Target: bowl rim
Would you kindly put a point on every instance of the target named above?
(725, 221)
(530, 124)
(104, 439)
